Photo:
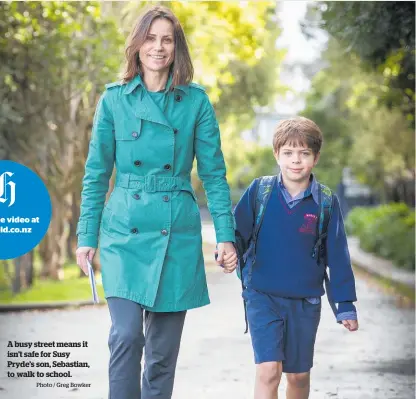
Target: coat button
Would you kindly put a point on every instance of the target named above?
(137, 163)
(135, 135)
(166, 198)
(167, 166)
(136, 196)
(178, 98)
(164, 232)
(134, 231)
(175, 131)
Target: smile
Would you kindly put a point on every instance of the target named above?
(157, 57)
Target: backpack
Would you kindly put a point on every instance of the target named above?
(263, 190)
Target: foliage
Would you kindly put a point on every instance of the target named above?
(383, 36)
(387, 230)
(363, 98)
(49, 56)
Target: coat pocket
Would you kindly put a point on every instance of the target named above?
(105, 221)
(192, 209)
(185, 212)
(113, 225)
(191, 193)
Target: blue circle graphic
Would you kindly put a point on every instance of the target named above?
(25, 210)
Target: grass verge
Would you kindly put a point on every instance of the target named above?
(71, 288)
(404, 294)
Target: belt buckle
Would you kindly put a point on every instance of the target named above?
(150, 184)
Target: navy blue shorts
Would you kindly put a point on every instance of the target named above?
(282, 329)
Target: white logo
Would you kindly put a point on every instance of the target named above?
(3, 188)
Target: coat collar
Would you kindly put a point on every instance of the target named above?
(138, 81)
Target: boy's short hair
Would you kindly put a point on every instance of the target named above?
(298, 131)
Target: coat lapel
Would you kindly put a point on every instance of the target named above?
(143, 105)
(146, 109)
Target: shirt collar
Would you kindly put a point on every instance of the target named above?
(311, 190)
(138, 81)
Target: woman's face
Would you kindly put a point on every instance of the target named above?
(158, 51)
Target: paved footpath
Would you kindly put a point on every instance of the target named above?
(215, 362)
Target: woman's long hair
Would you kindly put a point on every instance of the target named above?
(181, 69)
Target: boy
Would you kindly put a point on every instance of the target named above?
(282, 281)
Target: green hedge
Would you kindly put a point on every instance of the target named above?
(386, 230)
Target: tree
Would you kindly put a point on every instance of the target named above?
(382, 35)
(52, 63)
(359, 130)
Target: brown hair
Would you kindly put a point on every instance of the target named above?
(298, 131)
(181, 68)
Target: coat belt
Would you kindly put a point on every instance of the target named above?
(153, 183)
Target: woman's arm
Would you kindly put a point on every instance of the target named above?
(98, 170)
(212, 172)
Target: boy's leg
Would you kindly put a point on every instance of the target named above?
(267, 330)
(126, 342)
(302, 325)
(298, 385)
(163, 332)
(268, 375)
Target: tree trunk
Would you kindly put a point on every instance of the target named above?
(53, 245)
(72, 224)
(23, 272)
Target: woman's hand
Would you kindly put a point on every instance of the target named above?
(82, 254)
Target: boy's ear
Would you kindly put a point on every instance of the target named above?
(276, 156)
(317, 156)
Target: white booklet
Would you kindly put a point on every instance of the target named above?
(93, 285)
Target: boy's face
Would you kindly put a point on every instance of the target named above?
(296, 163)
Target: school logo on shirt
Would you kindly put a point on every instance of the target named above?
(309, 224)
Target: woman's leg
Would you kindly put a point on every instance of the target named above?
(126, 343)
(163, 332)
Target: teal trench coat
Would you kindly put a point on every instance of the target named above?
(150, 229)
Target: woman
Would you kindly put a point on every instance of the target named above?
(151, 125)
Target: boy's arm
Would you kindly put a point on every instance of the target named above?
(342, 282)
(244, 215)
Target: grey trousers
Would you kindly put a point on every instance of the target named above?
(161, 342)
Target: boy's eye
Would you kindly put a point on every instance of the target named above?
(287, 153)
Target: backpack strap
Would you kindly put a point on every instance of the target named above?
(326, 205)
(263, 190)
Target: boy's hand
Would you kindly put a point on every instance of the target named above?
(351, 325)
(227, 256)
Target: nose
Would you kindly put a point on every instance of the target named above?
(296, 158)
(158, 45)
